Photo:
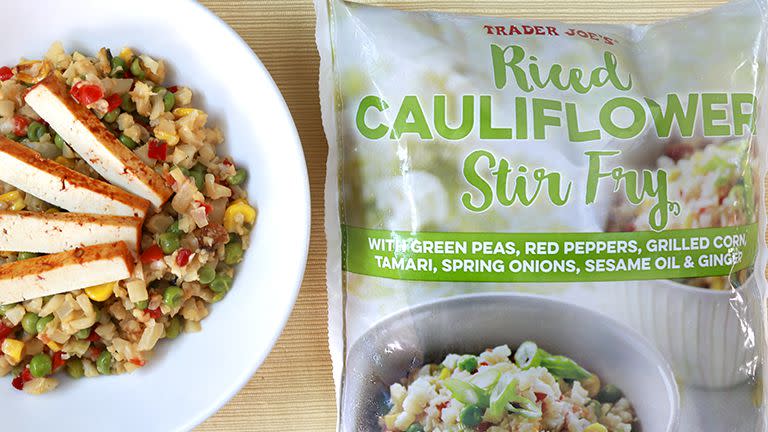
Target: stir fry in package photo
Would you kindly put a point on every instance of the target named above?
(543, 226)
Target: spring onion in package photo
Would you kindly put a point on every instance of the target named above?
(543, 226)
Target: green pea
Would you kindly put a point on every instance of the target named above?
(136, 69)
(218, 297)
(221, 283)
(111, 116)
(468, 364)
(6, 308)
(26, 255)
(415, 427)
(40, 366)
(75, 368)
(169, 242)
(471, 415)
(142, 304)
(131, 144)
(28, 323)
(169, 100)
(174, 228)
(83, 333)
(198, 177)
(233, 253)
(174, 328)
(104, 363)
(127, 105)
(172, 295)
(239, 177)
(206, 274)
(609, 394)
(42, 323)
(59, 141)
(35, 130)
(118, 65)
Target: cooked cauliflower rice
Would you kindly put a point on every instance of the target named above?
(490, 392)
(188, 248)
(714, 184)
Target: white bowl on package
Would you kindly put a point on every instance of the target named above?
(192, 376)
(426, 333)
(708, 336)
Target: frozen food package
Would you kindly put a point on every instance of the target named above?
(544, 226)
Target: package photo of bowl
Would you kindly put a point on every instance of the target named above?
(384, 215)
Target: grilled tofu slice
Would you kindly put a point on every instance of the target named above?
(59, 232)
(66, 271)
(25, 169)
(88, 136)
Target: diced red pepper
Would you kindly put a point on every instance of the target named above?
(5, 73)
(173, 89)
(94, 351)
(114, 101)
(18, 383)
(5, 331)
(20, 124)
(157, 150)
(484, 426)
(540, 396)
(154, 313)
(483, 364)
(154, 253)
(137, 362)
(227, 162)
(57, 361)
(86, 93)
(93, 336)
(208, 208)
(182, 257)
(26, 375)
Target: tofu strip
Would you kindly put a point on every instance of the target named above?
(52, 182)
(88, 136)
(65, 271)
(59, 232)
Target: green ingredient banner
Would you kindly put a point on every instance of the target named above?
(548, 257)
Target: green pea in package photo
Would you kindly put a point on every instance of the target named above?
(544, 226)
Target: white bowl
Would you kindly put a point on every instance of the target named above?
(470, 324)
(708, 336)
(194, 375)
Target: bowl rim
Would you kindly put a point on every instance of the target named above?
(728, 293)
(296, 280)
(662, 365)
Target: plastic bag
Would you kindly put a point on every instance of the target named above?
(540, 226)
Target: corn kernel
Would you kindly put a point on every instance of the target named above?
(64, 161)
(53, 210)
(238, 211)
(15, 199)
(595, 427)
(389, 421)
(445, 373)
(13, 350)
(171, 139)
(54, 346)
(126, 54)
(181, 112)
(101, 292)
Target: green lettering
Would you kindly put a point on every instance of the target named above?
(542, 120)
(371, 102)
(477, 181)
(410, 108)
(710, 114)
(500, 65)
(574, 134)
(467, 118)
(740, 118)
(631, 131)
(487, 130)
(685, 118)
